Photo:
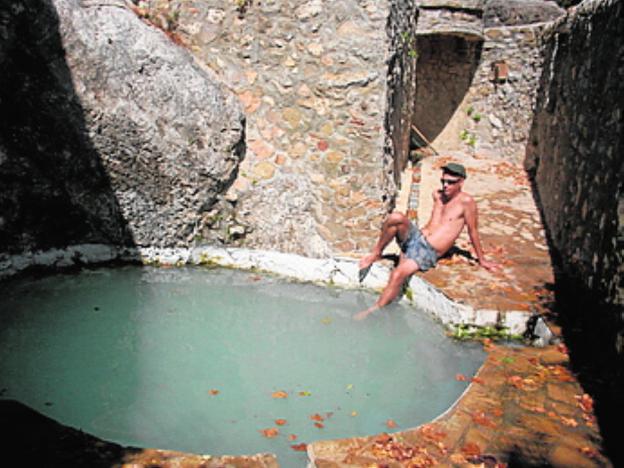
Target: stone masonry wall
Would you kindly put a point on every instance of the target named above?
(577, 146)
(315, 79)
(575, 156)
(460, 104)
(492, 118)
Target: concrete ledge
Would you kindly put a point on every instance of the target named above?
(332, 271)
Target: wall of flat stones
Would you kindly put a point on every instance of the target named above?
(460, 106)
(323, 125)
(491, 118)
(576, 149)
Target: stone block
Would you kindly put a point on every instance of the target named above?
(486, 318)
(515, 321)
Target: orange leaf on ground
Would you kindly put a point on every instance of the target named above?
(458, 459)
(498, 412)
(478, 380)
(461, 377)
(319, 425)
(585, 402)
(589, 452)
(270, 433)
(292, 437)
(482, 419)
(471, 450)
(213, 392)
(279, 394)
(516, 381)
(391, 424)
(316, 417)
(280, 422)
(570, 422)
(299, 447)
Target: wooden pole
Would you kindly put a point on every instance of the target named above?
(425, 139)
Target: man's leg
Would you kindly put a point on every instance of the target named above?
(395, 224)
(404, 270)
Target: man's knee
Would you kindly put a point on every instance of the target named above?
(397, 217)
(402, 272)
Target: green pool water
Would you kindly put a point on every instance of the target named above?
(189, 359)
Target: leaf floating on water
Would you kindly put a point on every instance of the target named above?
(350, 386)
(299, 447)
(270, 432)
(326, 320)
(213, 391)
(280, 422)
(304, 393)
(319, 425)
(354, 413)
(317, 417)
(390, 424)
(460, 377)
(292, 437)
(279, 394)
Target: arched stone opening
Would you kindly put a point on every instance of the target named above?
(444, 72)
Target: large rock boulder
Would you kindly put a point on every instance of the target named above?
(109, 132)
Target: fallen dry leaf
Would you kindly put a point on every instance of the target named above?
(316, 417)
(292, 437)
(299, 447)
(585, 402)
(570, 422)
(482, 419)
(280, 422)
(457, 459)
(391, 424)
(461, 377)
(270, 432)
(589, 452)
(516, 381)
(478, 380)
(213, 391)
(279, 394)
(319, 425)
(471, 450)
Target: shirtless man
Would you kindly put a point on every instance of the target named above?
(420, 250)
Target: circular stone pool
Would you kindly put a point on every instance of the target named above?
(221, 361)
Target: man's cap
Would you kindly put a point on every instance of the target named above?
(456, 169)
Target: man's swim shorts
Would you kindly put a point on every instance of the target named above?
(417, 248)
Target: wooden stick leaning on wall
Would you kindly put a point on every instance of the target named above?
(424, 138)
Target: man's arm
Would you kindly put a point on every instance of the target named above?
(471, 217)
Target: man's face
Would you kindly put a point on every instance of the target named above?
(451, 184)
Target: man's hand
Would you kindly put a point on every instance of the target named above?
(489, 266)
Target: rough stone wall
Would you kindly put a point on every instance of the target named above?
(575, 156)
(109, 132)
(490, 118)
(577, 145)
(314, 78)
(460, 106)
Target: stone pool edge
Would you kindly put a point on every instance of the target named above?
(335, 271)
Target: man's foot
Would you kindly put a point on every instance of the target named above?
(365, 313)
